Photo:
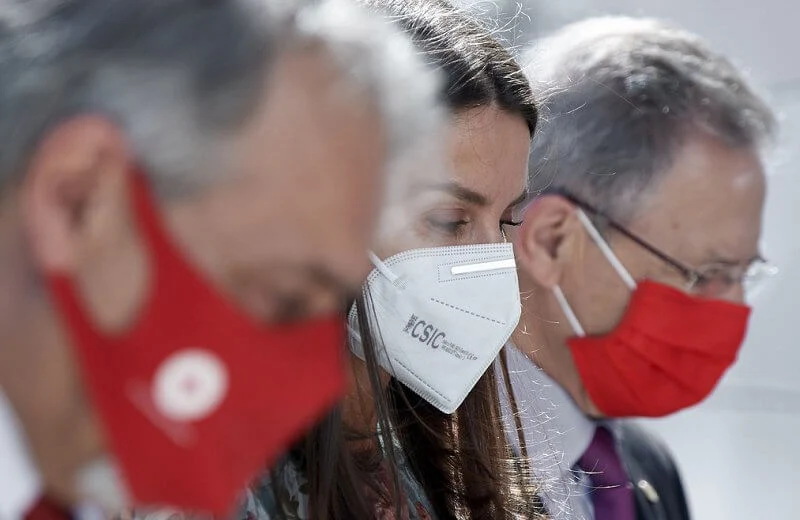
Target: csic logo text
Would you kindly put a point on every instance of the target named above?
(424, 332)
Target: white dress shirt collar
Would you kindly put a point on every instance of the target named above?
(20, 483)
(567, 427)
(556, 434)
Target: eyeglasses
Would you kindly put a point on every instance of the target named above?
(711, 281)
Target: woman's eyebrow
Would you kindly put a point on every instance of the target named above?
(460, 192)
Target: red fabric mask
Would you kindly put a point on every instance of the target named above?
(196, 397)
(668, 352)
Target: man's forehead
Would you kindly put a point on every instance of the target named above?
(701, 225)
(706, 176)
(306, 99)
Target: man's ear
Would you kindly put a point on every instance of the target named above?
(73, 187)
(545, 239)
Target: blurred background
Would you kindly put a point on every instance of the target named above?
(737, 450)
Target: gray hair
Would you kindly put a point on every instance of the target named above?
(175, 75)
(387, 66)
(180, 76)
(618, 96)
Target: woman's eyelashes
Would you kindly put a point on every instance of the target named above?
(455, 226)
(504, 224)
(512, 217)
(509, 222)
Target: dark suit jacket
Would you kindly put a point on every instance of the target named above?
(658, 487)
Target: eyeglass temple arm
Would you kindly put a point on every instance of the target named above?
(692, 275)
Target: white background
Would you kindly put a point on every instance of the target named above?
(740, 450)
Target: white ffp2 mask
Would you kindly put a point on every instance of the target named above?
(443, 314)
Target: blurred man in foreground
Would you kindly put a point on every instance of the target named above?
(188, 192)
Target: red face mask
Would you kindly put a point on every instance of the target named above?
(668, 352)
(196, 397)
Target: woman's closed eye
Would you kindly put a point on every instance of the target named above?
(448, 222)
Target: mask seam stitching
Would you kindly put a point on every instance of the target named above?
(468, 312)
(434, 252)
(495, 250)
(419, 379)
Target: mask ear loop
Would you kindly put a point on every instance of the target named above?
(568, 312)
(383, 268)
(612, 258)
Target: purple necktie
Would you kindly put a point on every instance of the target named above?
(612, 493)
(47, 509)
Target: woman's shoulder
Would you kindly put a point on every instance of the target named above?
(419, 505)
(261, 501)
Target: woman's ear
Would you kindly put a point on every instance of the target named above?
(544, 241)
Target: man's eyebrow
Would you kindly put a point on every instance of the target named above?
(731, 262)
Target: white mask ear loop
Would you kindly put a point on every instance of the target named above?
(382, 268)
(598, 239)
(566, 308)
(612, 258)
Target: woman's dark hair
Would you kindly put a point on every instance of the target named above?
(478, 69)
(463, 461)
